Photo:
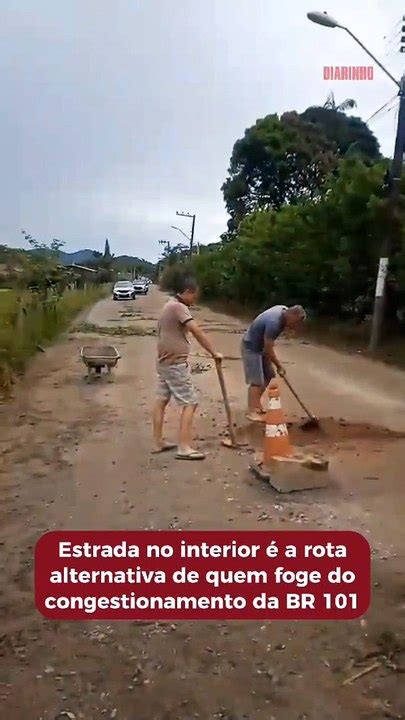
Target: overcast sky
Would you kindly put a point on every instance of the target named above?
(116, 113)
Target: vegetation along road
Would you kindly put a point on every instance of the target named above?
(68, 460)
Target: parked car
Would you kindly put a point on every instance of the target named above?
(141, 286)
(123, 290)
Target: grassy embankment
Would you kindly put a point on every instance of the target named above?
(26, 324)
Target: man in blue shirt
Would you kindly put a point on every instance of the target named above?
(258, 354)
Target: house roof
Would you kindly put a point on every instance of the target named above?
(81, 267)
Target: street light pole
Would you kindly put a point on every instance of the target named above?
(188, 215)
(166, 244)
(370, 54)
(394, 185)
(192, 236)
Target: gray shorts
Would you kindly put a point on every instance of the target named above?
(258, 371)
(175, 380)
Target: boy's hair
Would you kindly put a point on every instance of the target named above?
(185, 283)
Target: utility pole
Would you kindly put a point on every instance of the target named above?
(192, 217)
(392, 230)
(166, 244)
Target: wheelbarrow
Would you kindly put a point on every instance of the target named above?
(98, 358)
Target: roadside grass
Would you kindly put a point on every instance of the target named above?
(27, 324)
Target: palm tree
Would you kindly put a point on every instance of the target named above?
(347, 104)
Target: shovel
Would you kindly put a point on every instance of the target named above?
(312, 423)
(230, 442)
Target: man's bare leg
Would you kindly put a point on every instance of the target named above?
(255, 410)
(186, 431)
(158, 420)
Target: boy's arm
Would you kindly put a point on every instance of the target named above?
(202, 339)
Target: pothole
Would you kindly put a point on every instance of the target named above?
(330, 431)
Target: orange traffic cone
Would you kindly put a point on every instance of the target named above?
(276, 440)
(280, 466)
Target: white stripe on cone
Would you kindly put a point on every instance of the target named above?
(274, 431)
(274, 403)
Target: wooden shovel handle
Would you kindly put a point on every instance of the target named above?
(218, 365)
(297, 397)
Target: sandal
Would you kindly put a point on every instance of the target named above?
(195, 455)
(166, 447)
(256, 417)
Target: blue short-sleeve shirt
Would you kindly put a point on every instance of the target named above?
(268, 325)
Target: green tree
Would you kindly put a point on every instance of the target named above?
(38, 246)
(279, 160)
(104, 264)
(173, 266)
(322, 253)
(45, 271)
(107, 251)
(349, 134)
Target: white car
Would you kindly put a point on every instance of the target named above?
(141, 286)
(123, 290)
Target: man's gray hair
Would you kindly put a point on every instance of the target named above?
(299, 311)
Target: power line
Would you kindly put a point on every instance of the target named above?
(377, 112)
(394, 107)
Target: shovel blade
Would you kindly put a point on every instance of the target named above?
(312, 424)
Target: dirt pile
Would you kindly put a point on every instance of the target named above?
(113, 331)
(330, 432)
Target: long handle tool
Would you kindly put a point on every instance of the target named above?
(312, 423)
(231, 441)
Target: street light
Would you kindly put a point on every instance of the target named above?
(322, 18)
(186, 236)
(173, 227)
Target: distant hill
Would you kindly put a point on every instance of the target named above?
(123, 261)
(78, 258)
(81, 257)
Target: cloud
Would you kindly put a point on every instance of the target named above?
(117, 114)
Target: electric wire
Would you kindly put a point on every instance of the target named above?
(377, 112)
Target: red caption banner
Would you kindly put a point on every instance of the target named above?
(170, 575)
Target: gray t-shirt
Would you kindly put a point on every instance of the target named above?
(268, 325)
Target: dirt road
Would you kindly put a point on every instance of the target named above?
(78, 456)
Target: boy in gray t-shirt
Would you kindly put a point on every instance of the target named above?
(175, 324)
(258, 354)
